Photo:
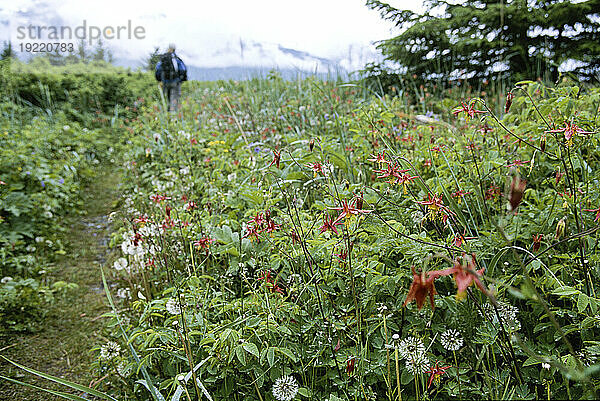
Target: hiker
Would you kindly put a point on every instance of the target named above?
(171, 72)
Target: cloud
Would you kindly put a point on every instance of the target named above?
(329, 29)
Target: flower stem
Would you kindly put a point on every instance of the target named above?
(457, 375)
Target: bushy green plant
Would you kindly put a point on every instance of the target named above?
(277, 233)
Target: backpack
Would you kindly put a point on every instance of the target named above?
(168, 72)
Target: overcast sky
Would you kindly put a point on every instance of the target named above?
(324, 28)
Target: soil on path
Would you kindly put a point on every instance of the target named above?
(73, 325)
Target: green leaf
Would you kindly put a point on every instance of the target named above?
(67, 383)
(53, 392)
(252, 349)
(582, 302)
(241, 355)
(287, 352)
(303, 391)
(565, 291)
(271, 356)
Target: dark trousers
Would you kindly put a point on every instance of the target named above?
(172, 92)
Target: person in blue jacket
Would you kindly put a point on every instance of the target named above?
(171, 72)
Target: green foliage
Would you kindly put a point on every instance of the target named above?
(45, 160)
(493, 39)
(227, 267)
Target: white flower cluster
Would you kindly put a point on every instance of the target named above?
(413, 350)
(110, 350)
(172, 306)
(285, 388)
(507, 313)
(451, 340)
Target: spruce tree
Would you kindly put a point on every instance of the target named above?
(494, 39)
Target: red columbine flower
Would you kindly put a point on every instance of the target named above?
(469, 109)
(391, 171)
(405, 179)
(203, 243)
(276, 158)
(157, 198)
(568, 131)
(594, 210)
(380, 158)
(328, 224)
(422, 285)
(537, 241)
(459, 194)
(191, 205)
(435, 204)
(509, 99)
(464, 274)
(350, 365)
(436, 373)
(271, 226)
(316, 167)
(517, 189)
(348, 210)
(492, 192)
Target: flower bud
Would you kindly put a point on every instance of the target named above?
(311, 144)
(560, 227)
(543, 143)
(517, 188)
(509, 100)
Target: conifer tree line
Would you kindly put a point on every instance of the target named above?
(493, 39)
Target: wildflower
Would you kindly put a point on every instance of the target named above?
(350, 364)
(405, 179)
(276, 158)
(120, 264)
(545, 365)
(560, 228)
(537, 240)
(348, 210)
(569, 130)
(379, 158)
(172, 306)
(492, 192)
(285, 388)
(451, 340)
(392, 171)
(543, 142)
(509, 99)
(517, 188)
(418, 364)
(110, 350)
(436, 373)
(316, 167)
(518, 163)
(328, 224)
(464, 275)
(203, 243)
(420, 288)
(468, 109)
(6, 279)
(411, 348)
(435, 204)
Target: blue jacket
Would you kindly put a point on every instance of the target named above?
(181, 69)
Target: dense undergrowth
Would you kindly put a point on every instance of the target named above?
(56, 128)
(275, 234)
(312, 240)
